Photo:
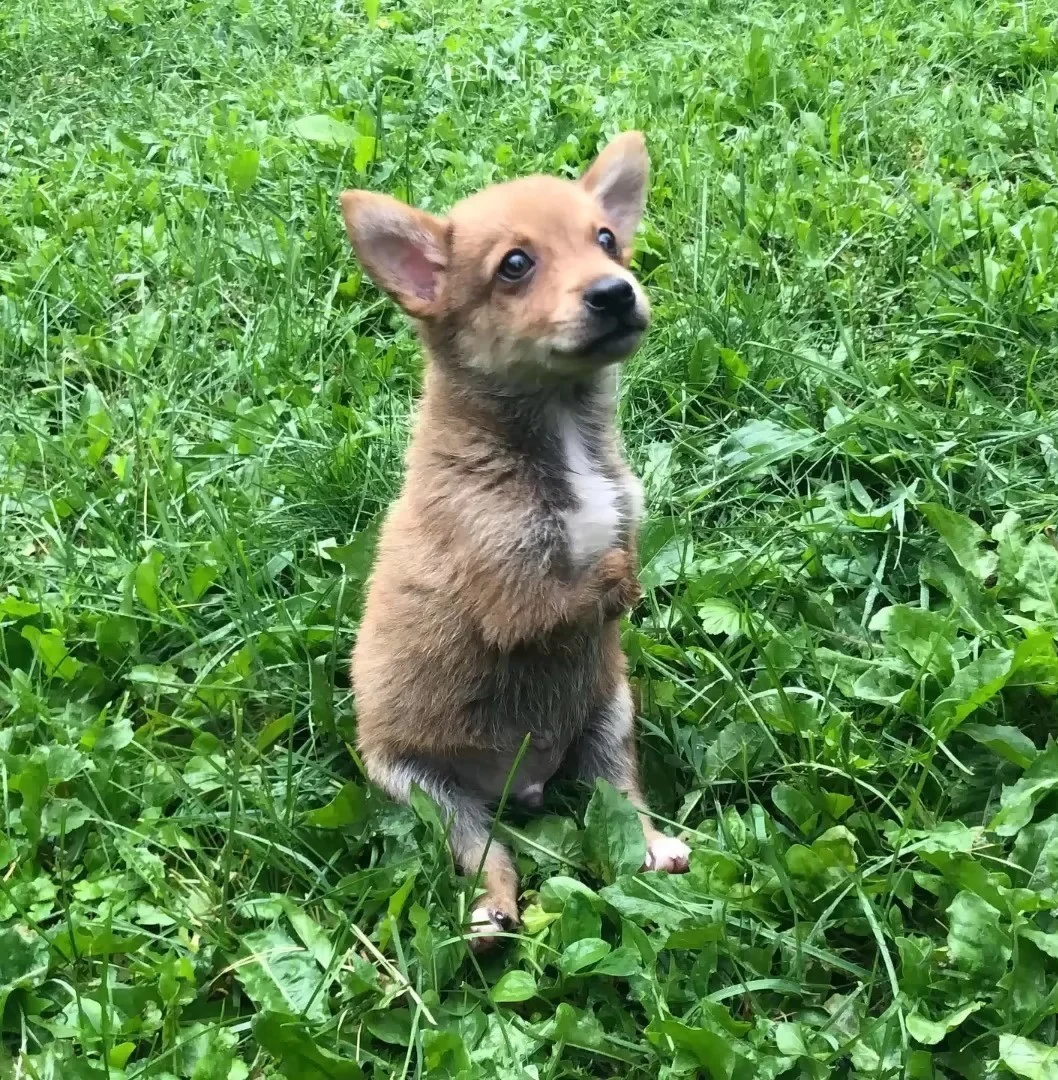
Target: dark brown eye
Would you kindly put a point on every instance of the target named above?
(608, 242)
(515, 265)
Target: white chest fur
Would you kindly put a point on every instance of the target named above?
(594, 521)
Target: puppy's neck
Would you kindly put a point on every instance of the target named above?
(522, 415)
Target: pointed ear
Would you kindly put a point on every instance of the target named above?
(618, 180)
(404, 250)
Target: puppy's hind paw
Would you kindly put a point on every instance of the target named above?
(667, 854)
(486, 924)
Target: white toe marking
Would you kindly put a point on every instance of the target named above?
(481, 922)
(668, 854)
(531, 793)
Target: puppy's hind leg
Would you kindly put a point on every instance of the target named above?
(467, 818)
(607, 749)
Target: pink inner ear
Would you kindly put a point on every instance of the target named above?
(418, 272)
(408, 267)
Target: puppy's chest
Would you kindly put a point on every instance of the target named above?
(603, 507)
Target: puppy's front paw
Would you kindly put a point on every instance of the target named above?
(667, 854)
(622, 590)
(487, 923)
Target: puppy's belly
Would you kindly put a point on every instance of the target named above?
(485, 772)
(547, 691)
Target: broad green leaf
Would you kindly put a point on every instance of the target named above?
(836, 804)
(364, 148)
(13, 608)
(95, 940)
(347, 807)
(535, 919)
(623, 962)
(50, 647)
(312, 935)
(613, 834)
(1010, 547)
(737, 369)
(669, 562)
(514, 985)
(23, 960)
(582, 954)
(967, 872)
(930, 1032)
(297, 1054)
(280, 975)
(207, 1052)
(1037, 578)
(1036, 849)
(274, 729)
(947, 836)
(555, 892)
(797, 806)
(964, 538)
(329, 131)
(719, 616)
(1028, 1058)
(971, 687)
(356, 557)
(925, 636)
(977, 943)
(242, 170)
(551, 842)
(740, 748)
(64, 816)
(504, 1048)
(120, 1054)
(145, 580)
(577, 1027)
(390, 1025)
(760, 444)
(444, 1050)
(1018, 801)
(915, 968)
(883, 683)
(657, 472)
(715, 873)
(199, 580)
(836, 848)
(713, 1050)
(580, 918)
(1005, 741)
(1046, 943)
(322, 128)
(664, 902)
(790, 1040)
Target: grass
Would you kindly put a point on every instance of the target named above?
(845, 417)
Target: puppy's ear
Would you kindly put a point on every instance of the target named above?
(618, 180)
(404, 250)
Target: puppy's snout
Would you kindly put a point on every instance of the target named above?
(612, 296)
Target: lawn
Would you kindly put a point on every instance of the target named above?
(845, 420)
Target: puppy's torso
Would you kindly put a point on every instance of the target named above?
(532, 484)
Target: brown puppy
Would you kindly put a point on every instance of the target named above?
(505, 565)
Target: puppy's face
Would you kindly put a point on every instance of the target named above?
(525, 279)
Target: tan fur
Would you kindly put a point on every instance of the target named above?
(487, 618)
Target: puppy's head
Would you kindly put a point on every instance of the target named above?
(524, 279)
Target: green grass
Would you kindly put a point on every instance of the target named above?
(845, 416)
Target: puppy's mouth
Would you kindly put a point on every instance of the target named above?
(614, 343)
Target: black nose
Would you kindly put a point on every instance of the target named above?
(610, 296)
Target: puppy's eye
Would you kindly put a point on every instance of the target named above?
(608, 242)
(515, 265)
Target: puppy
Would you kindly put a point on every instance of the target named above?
(505, 565)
